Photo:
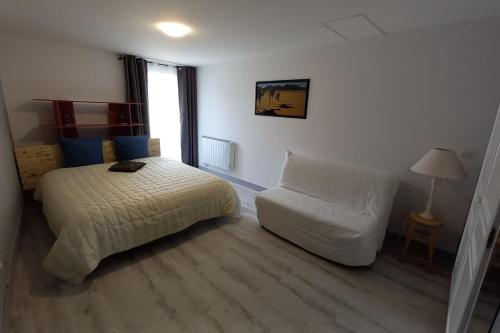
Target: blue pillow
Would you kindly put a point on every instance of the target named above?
(131, 147)
(80, 152)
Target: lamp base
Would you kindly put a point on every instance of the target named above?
(426, 215)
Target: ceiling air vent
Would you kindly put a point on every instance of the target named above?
(354, 27)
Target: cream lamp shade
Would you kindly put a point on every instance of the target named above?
(438, 163)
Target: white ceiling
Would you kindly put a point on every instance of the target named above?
(223, 29)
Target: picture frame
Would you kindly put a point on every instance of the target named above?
(282, 98)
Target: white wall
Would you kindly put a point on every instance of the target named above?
(380, 103)
(41, 69)
(11, 203)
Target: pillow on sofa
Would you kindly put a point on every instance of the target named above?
(80, 152)
(131, 147)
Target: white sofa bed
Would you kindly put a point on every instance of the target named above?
(334, 210)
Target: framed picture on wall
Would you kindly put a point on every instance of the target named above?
(282, 98)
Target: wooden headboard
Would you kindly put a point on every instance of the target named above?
(35, 161)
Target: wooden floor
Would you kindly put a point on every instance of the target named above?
(221, 275)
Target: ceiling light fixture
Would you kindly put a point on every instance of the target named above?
(174, 29)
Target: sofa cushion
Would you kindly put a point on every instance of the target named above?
(332, 218)
(330, 230)
(366, 190)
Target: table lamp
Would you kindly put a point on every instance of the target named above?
(438, 163)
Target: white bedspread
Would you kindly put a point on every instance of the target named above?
(95, 213)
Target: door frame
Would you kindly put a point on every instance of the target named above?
(483, 267)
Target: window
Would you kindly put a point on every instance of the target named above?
(164, 116)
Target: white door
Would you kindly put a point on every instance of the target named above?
(495, 328)
(480, 232)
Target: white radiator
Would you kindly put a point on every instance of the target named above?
(217, 153)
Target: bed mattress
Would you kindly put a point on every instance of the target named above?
(95, 213)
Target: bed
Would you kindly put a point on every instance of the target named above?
(95, 213)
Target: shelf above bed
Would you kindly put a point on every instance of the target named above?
(91, 125)
(82, 101)
(123, 118)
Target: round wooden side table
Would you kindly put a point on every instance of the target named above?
(427, 236)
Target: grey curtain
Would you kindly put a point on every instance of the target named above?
(136, 79)
(186, 78)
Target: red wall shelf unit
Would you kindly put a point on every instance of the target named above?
(122, 118)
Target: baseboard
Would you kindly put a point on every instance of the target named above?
(8, 270)
(234, 179)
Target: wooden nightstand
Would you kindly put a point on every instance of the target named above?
(428, 237)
